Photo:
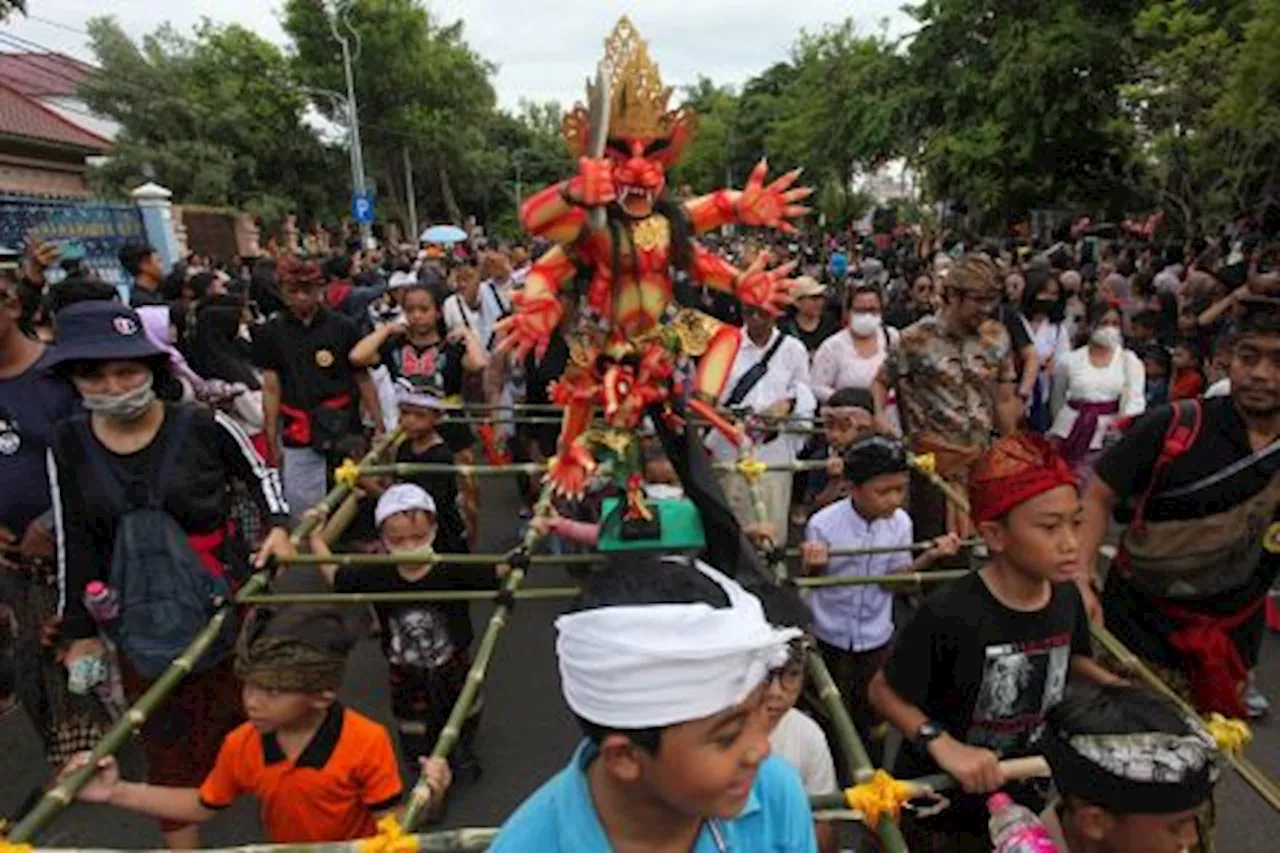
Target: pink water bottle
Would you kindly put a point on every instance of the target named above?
(102, 602)
(1015, 829)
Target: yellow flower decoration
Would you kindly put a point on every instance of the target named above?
(7, 846)
(391, 838)
(878, 796)
(752, 469)
(348, 474)
(925, 463)
(1231, 736)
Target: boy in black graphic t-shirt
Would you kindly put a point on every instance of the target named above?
(973, 675)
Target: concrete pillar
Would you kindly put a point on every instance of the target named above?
(155, 204)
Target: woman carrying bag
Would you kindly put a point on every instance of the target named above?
(146, 549)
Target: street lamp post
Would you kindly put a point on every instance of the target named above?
(357, 151)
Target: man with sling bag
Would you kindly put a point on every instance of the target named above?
(1198, 484)
(769, 378)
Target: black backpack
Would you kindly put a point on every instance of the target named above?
(167, 595)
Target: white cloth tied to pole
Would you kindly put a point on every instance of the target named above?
(653, 665)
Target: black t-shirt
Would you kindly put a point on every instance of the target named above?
(214, 452)
(421, 635)
(985, 673)
(1223, 438)
(539, 374)
(827, 326)
(312, 359)
(437, 365)
(1019, 337)
(451, 531)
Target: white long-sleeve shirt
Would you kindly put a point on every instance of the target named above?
(786, 379)
(837, 363)
(1124, 379)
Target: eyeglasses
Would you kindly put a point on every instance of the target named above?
(789, 677)
(987, 301)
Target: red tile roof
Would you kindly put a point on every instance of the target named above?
(42, 75)
(22, 116)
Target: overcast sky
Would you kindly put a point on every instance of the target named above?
(544, 48)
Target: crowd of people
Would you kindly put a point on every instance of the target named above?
(160, 450)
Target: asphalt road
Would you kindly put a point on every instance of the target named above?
(526, 735)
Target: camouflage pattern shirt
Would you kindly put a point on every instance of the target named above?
(949, 385)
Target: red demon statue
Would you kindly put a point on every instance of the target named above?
(631, 336)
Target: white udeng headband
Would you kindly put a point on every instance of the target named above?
(643, 666)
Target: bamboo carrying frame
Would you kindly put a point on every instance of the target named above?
(341, 503)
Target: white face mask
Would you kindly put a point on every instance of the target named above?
(128, 406)
(1107, 336)
(864, 325)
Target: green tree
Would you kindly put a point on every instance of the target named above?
(525, 152)
(1013, 104)
(211, 116)
(1248, 114)
(1187, 54)
(419, 87)
(705, 165)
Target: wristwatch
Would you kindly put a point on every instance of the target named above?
(928, 731)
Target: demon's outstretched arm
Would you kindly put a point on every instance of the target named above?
(756, 286)
(536, 308)
(559, 213)
(756, 204)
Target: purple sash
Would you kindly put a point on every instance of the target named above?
(1074, 447)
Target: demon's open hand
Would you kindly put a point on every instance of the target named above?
(769, 290)
(593, 186)
(529, 327)
(570, 470)
(771, 206)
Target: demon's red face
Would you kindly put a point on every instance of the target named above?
(639, 176)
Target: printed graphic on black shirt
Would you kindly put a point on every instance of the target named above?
(10, 433)
(1020, 682)
(419, 638)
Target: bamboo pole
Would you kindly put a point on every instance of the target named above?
(410, 469)
(906, 579)
(421, 795)
(1011, 770)
(419, 557)
(64, 793)
(554, 408)
(785, 428)
(1253, 775)
(465, 840)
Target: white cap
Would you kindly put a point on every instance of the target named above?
(400, 279)
(402, 497)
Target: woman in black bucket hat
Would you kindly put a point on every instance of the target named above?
(133, 450)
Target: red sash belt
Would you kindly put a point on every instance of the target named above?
(297, 429)
(1214, 666)
(208, 545)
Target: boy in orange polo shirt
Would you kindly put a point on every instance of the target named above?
(322, 772)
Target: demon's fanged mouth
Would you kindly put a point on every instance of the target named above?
(636, 199)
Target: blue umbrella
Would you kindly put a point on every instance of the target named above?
(444, 234)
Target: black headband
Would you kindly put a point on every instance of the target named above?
(1077, 776)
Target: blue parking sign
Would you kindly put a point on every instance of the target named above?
(362, 207)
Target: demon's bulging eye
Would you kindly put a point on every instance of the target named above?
(656, 147)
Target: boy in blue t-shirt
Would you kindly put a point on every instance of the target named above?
(665, 664)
